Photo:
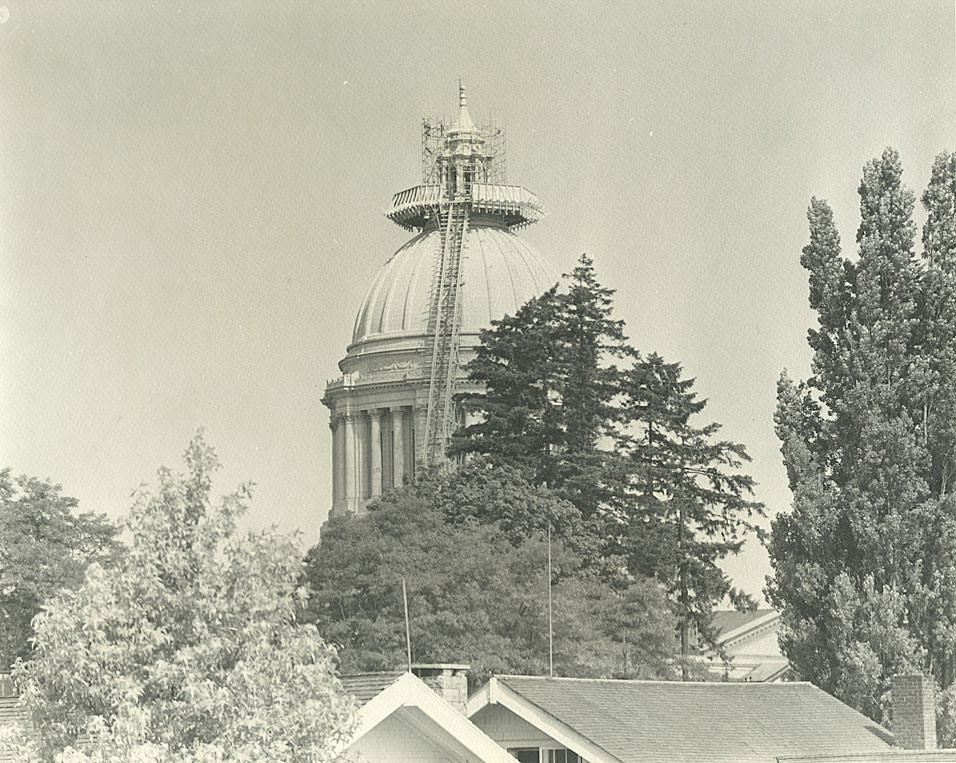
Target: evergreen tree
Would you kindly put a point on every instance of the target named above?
(685, 503)
(549, 388)
(864, 562)
(658, 495)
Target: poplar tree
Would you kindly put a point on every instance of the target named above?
(864, 561)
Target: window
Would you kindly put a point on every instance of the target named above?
(562, 756)
(537, 755)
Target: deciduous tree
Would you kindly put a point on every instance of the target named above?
(477, 592)
(188, 648)
(864, 562)
(45, 546)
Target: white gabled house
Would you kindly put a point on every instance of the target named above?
(401, 719)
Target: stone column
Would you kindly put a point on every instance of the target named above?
(336, 426)
(419, 436)
(350, 492)
(398, 446)
(375, 452)
(361, 458)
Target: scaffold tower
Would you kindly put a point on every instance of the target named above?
(463, 175)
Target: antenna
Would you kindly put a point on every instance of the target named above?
(408, 632)
(550, 619)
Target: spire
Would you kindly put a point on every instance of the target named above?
(464, 123)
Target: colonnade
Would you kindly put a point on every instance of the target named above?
(372, 450)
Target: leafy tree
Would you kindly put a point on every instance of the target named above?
(188, 648)
(477, 592)
(45, 546)
(684, 502)
(865, 562)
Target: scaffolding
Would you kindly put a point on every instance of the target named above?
(463, 172)
(435, 132)
(444, 323)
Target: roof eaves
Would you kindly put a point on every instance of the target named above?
(411, 691)
(751, 625)
(498, 692)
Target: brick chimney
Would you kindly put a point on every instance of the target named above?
(448, 680)
(914, 712)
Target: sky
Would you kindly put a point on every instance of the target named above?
(191, 199)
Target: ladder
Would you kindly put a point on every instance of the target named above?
(444, 323)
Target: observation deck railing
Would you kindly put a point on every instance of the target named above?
(414, 206)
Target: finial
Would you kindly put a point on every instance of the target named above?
(464, 123)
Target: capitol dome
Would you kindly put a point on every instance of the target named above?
(394, 407)
(500, 272)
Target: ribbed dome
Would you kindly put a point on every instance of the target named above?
(500, 272)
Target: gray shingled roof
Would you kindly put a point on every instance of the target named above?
(364, 686)
(667, 721)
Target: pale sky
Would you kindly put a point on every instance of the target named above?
(191, 198)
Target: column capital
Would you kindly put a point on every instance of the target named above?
(397, 408)
(375, 413)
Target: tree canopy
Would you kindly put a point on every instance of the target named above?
(864, 562)
(45, 547)
(573, 406)
(188, 647)
(478, 586)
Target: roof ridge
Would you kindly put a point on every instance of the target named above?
(660, 681)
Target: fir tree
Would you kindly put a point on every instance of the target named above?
(685, 503)
(569, 401)
(549, 388)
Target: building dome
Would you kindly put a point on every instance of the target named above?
(500, 272)
(395, 407)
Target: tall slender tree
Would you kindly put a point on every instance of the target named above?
(863, 563)
(685, 503)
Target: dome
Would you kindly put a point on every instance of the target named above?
(395, 406)
(500, 272)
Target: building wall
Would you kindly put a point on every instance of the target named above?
(508, 730)
(764, 642)
(396, 741)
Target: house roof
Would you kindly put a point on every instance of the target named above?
(364, 686)
(407, 698)
(650, 721)
(892, 756)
